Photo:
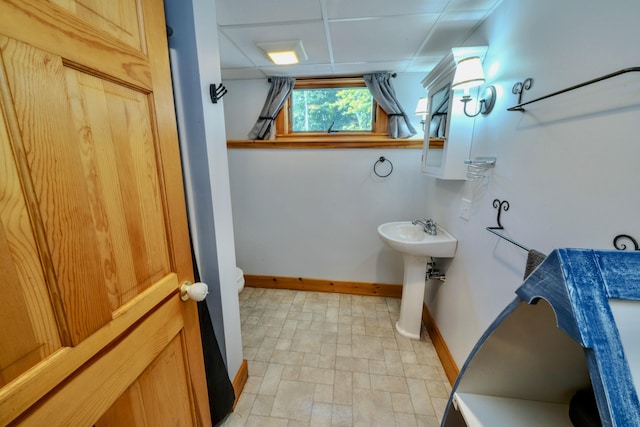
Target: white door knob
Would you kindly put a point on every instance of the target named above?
(196, 291)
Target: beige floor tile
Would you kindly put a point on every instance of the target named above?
(291, 372)
(334, 360)
(323, 393)
(427, 421)
(352, 364)
(317, 375)
(372, 408)
(401, 402)
(259, 421)
(343, 388)
(389, 383)
(321, 415)
(271, 380)
(286, 357)
(361, 380)
(342, 415)
(367, 347)
(262, 405)
(404, 419)
(419, 397)
(293, 400)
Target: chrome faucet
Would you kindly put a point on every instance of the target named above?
(428, 225)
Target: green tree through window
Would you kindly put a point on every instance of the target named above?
(338, 109)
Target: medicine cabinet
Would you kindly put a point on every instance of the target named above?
(448, 131)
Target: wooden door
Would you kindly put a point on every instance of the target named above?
(93, 233)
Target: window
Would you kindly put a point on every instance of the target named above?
(346, 109)
(330, 112)
(331, 107)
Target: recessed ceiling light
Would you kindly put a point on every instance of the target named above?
(284, 53)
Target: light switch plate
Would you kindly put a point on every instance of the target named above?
(465, 209)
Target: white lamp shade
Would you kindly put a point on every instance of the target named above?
(421, 108)
(468, 74)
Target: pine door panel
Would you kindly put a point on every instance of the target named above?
(23, 291)
(93, 232)
(116, 17)
(92, 391)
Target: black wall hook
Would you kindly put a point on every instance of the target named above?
(501, 206)
(520, 87)
(621, 246)
(217, 92)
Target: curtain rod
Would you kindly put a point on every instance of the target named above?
(394, 75)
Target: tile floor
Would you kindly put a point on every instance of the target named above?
(322, 359)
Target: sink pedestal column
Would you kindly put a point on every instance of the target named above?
(410, 322)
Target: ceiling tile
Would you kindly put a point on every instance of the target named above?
(299, 70)
(338, 9)
(483, 5)
(451, 31)
(230, 55)
(240, 12)
(423, 64)
(369, 67)
(242, 73)
(379, 39)
(311, 34)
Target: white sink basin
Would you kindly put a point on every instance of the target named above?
(410, 239)
(415, 246)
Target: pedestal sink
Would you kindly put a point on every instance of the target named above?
(416, 247)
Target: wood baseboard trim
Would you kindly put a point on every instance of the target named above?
(319, 285)
(448, 363)
(240, 380)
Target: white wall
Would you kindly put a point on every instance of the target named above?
(195, 64)
(567, 167)
(314, 213)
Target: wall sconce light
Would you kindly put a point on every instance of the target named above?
(284, 53)
(469, 74)
(421, 110)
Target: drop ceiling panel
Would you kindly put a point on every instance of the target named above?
(451, 31)
(337, 9)
(364, 35)
(242, 12)
(299, 70)
(242, 73)
(230, 55)
(420, 64)
(311, 34)
(379, 39)
(368, 67)
(482, 5)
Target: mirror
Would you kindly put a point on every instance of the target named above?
(448, 139)
(438, 119)
(439, 112)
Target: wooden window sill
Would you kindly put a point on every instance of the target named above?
(327, 142)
